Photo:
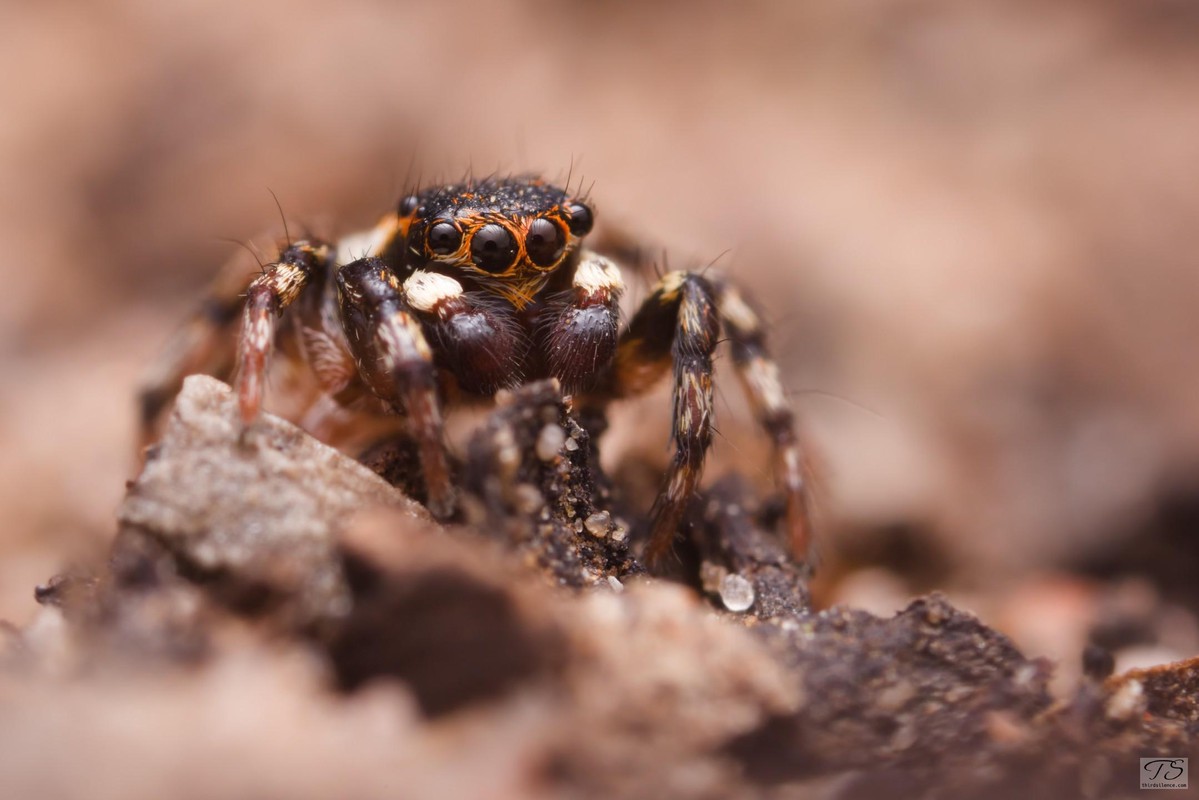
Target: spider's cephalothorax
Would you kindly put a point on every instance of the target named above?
(507, 237)
(469, 288)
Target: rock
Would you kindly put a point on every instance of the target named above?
(523, 654)
(253, 510)
(745, 564)
(736, 593)
(899, 692)
(457, 621)
(505, 459)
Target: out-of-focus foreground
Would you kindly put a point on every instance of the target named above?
(971, 223)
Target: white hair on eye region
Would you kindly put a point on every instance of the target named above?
(425, 290)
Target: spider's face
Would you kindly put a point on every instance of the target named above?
(508, 235)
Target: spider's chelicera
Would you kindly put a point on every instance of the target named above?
(469, 288)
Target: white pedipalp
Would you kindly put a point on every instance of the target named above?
(424, 291)
(596, 273)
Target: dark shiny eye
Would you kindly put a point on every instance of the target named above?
(581, 219)
(409, 205)
(444, 238)
(492, 248)
(544, 242)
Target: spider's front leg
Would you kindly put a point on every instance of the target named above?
(301, 265)
(395, 361)
(677, 324)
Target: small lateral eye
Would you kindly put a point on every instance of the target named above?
(408, 205)
(492, 248)
(544, 242)
(581, 219)
(444, 238)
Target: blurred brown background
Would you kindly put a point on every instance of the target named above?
(974, 225)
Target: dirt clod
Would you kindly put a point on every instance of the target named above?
(531, 638)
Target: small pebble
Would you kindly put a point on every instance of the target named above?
(894, 697)
(1025, 674)
(736, 593)
(507, 453)
(904, 737)
(1006, 729)
(711, 576)
(1127, 701)
(598, 524)
(572, 445)
(527, 498)
(550, 441)
(615, 583)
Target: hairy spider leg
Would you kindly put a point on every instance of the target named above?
(395, 360)
(759, 375)
(203, 343)
(299, 266)
(676, 325)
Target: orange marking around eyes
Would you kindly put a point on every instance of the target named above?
(519, 283)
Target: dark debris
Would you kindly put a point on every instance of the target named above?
(647, 689)
(531, 468)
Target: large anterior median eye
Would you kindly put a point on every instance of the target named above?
(544, 242)
(444, 238)
(492, 248)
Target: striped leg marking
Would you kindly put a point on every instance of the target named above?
(677, 325)
(204, 343)
(267, 298)
(394, 359)
(760, 377)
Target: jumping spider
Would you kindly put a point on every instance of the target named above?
(469, 288)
